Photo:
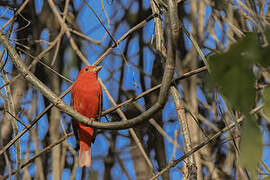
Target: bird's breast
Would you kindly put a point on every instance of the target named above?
(86, 100)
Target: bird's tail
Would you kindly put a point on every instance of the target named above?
(85, 158)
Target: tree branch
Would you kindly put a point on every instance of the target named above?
(31, 78)
(198, 147)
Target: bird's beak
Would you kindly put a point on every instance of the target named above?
(97, 68)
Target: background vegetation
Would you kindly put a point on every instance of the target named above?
(189, 81)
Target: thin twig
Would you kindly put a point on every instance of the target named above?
(37, 58)
(195, 44)
(28, 161)
(11, 111)
(132, 132)
(10, 143)
(15, 14)
(66, 29)
(135, 28)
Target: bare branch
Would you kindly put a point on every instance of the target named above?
(31, 78)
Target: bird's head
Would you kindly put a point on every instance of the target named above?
(89, 72)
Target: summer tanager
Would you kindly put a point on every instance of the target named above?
(86, 98)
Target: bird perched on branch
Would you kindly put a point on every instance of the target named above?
(86, 98)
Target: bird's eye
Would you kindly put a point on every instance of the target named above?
(86, 69)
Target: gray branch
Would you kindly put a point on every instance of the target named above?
(48, 93)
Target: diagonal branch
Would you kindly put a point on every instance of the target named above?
(66, 29)
(31, 78)
(131, 130)
(10, 143)
(198, 147)
(186, 75)
(48, 148)
(195, 149)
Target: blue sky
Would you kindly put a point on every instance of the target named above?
(86, 21)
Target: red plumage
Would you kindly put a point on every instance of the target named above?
(86, 98)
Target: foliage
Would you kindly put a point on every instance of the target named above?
(233, 72)
(194, 136)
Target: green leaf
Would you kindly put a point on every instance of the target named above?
(251, 146)
(264, 54)
(232, 72)
(221, 4)
(266, 101)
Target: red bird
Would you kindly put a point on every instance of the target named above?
(86, 98)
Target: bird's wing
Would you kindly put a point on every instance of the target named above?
(75, 126)
(100, 105)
